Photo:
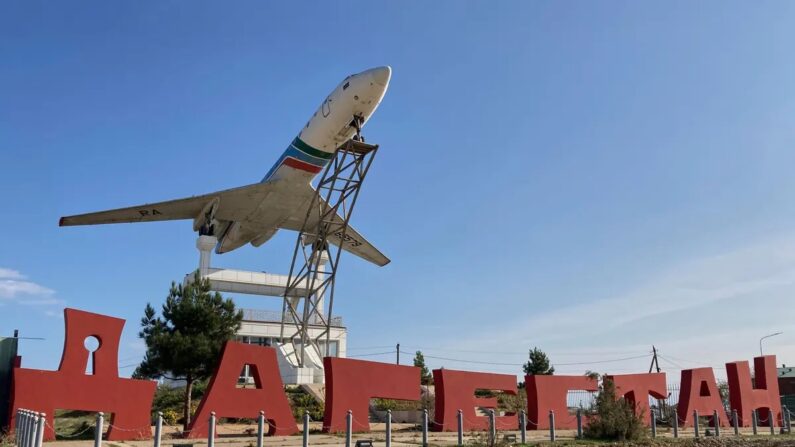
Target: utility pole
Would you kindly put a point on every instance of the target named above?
(397, 349)
(655, 364)
(654, 360)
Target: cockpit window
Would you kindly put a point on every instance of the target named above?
(347, 84)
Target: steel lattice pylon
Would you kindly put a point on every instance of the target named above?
(323, 230)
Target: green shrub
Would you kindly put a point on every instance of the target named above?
(301, 402)
(614, 418)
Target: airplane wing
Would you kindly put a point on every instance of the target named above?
(231, 206)
(354, 243)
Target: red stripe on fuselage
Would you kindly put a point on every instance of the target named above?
(298, 164)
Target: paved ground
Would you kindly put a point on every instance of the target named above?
(404, 435)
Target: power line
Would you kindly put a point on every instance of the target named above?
(478, 362)
(523, 353)
(372, 354)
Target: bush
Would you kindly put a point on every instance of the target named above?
(301, 401)
(170, 401)
(614, 418)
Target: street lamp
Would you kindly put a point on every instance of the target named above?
(767, 336)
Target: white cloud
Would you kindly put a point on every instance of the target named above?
(708, 311)
(15, 287)
(10, 274)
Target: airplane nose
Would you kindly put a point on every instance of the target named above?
(381, 75)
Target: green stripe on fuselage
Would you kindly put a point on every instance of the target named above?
(303, 147)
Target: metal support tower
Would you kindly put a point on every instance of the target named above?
(323, 231)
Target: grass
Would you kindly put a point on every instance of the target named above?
(74, 425)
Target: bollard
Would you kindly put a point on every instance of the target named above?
(772, 417)
(492, 428)
(306, 429)
(159, 429)
(23, 432)
(523, 426)
(348, 428)
(34, 421)
(28, 428)
(40, 429)
(579, 423)
(754, 420)
(735, 423)
(261, 429)
(23, 428)
(18, 427)
(460, 428)
(716, 422)
(695, 422)
(388, 428)
(98, 429)
(551, 425)
(651, 415)
(211, 430)
(33, 428)
(676, 423)
(425, 428)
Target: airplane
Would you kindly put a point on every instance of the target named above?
(254, 213)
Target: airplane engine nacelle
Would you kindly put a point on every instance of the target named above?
(262, 238)
(206, 217)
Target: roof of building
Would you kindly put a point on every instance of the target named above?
(786, 372)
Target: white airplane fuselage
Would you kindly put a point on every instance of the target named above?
(330, 126)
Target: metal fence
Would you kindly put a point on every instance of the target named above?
(272, 316)
(586, 399)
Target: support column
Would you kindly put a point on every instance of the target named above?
(205, 245)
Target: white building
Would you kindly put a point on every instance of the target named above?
(263, 328)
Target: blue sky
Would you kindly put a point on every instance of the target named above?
(588, 177)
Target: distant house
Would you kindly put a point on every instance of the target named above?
(786, 380)
(786, 386)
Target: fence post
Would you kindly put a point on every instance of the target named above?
(493, 426)
(772, 417)
(460, 428)
(23, 429)
(306, 428)
(789, 421)
(425, 427)
(211, 430)
(579, 423)
(735, 423)
(348, 428)
(16, 425)
(754, 420)
(676, 423)
(261, 429)
(651, 415)
(98, 429)
(159, 428)
(33, 427)
(551, 425)
(716, 422)
(523, 426)
(695, 422)
(388, 428)
(23, 421)
(40, 429)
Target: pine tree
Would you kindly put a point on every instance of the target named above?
(186, 342)
(538, 364)
(425, 375)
